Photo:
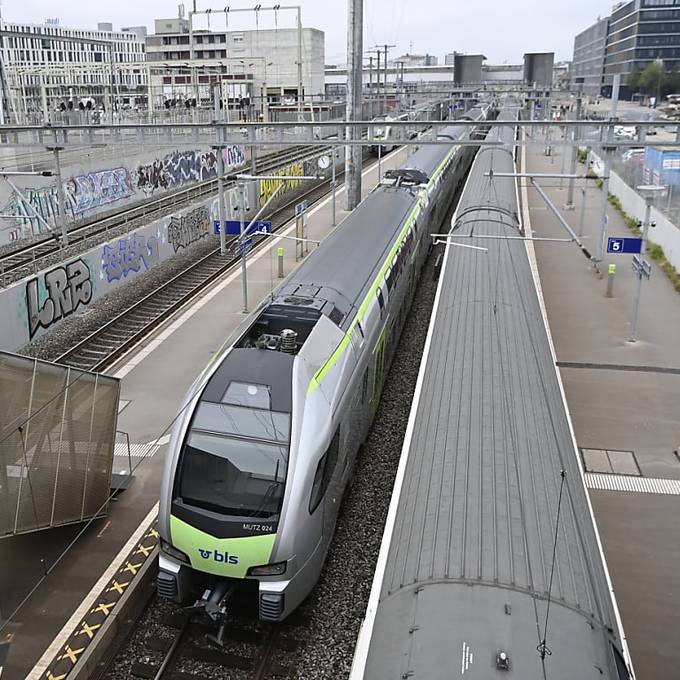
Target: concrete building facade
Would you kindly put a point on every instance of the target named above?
(637, 33)
(259, 59)
(588, 62)
(49, 65)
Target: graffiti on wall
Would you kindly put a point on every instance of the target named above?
(269, 186)
(183, 230)
(182, 167)
(42, 200)
(65, 287)
(83, 193)
(96, 189)
(88, 192)
(129, 255)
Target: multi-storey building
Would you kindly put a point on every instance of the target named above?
(588, 64)
(46, 66)
(636, 34)
(261, 59)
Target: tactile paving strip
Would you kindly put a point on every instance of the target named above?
(669, 487)
(85, 633)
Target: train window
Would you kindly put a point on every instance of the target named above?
(381, 300)
(248, 394)
(324, 473)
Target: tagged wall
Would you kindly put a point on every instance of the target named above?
(34, 306)
(92, 190)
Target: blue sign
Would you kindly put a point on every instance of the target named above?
(301, 207)
(234, 226)
(641, 267)
(245, 246)
(624, 245)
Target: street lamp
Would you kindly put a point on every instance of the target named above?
(648, 191)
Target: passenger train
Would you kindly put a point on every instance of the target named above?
(267, 436)
(490, 564)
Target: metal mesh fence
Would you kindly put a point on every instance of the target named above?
(57, 432)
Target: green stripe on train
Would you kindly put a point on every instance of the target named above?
(221, 556)
(344, 343)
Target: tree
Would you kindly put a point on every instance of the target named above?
(652, 77)
(634, 80)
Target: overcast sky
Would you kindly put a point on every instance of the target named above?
(501, 29)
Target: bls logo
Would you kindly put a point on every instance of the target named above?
(218, 556)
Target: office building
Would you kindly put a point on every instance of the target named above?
(249, 61)
(49, 65)
(636, 34)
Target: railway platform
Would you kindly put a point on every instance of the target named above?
(155, 377)
(623, 399)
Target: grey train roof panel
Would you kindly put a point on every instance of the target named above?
(470, 557)
(347, 262)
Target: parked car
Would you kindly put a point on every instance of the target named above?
(633, 154)
(624, 132)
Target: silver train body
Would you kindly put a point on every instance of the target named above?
(490, 564)
(267, 436)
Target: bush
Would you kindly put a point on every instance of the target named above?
(653, 250)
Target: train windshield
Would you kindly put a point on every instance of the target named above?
(235, 460)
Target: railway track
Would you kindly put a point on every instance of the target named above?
(183, 648)
(110, 341)
(28, 259)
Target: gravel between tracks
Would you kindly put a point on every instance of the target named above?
(337, 604)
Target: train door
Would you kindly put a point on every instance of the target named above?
(332, 497)
(325, 489)
(378, 370)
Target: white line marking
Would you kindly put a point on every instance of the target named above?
(46, 659)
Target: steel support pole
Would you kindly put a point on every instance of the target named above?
(584, 193)
(43, 98)
(244, 268)
(149, 95)
(385, 66)
(220, 199)
(62, 200)
(377, 84)
(643, 250)
(604, 199)
(615, 94)
(299, 65)
(354, 77)
(574, 158)
(370, 87)
(333, 182)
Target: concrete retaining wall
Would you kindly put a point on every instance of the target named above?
(97, 185)
(665, 234)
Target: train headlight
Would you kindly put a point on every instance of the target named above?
(173, 552)
(277, 569)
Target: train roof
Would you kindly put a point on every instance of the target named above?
(343, 267)
(467, 556)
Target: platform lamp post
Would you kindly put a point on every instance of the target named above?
(649, 191)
